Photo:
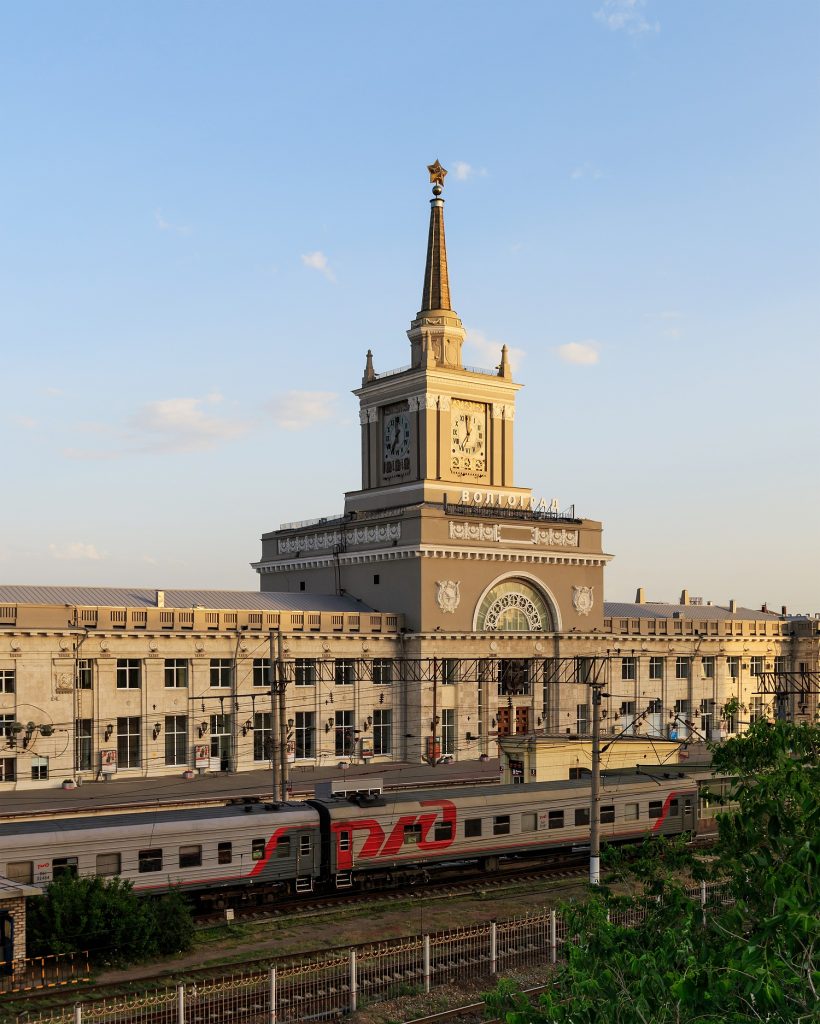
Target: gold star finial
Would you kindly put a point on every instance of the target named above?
(437, 173)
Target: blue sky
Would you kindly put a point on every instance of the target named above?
(210, 211)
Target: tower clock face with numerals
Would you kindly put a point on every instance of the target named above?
(396, 444)
(468, 447)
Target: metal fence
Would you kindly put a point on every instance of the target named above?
(332, 984)
(44, 972)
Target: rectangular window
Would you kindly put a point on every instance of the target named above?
(734, 666)
(756, 665)
(221, 671)
(221, 739)
(7, 680)
(656, 668)
(344, 672)
(176, 739)
(344, 841)
(8, 769)
(682, 667)
(449, 671)
(513, 676)
(305, 734)
(448, 731)
(529, 822)
(283, 847)
(305, 672)
(39, 768)
(344, 736)
(781, 663)
(224, 853)
(257, 849)
(128, 742)
(304, 845)
(64, 866)
(731, 723)
(6, 722)
(555, 819)
(755, 709)
(108, 865)
(412, 835)
(607, 814)
(83, 729)
(176, 672)
(655, 808)
(708, 663)
(128, 673)
(21, 871)
(443, 831)
(581, 815)
(261, 736)
(674, 807)
(632, 812)
(260, 672)
(501, 825)
(382, 731)
(628, 670)
(582, 719)
(382, 671)
(149, 860)
(472, 828)
(85, 674)
(190, 856)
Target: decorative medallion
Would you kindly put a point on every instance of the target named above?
(582, 600)
(448, 594)
(152, 645)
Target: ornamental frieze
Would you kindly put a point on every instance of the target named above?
(353, 536)
(473, 531)
(558, 538)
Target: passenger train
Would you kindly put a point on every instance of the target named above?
(361, 839)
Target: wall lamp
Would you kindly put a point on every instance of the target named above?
(247, 727)
(203, 728)
(108, 730)
(157, 729)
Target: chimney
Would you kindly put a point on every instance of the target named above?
(640, 596)
(160, 599)
(684, 597)
(764, 607)
(732, 606)
(784, 611)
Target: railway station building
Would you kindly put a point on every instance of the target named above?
(447, 605)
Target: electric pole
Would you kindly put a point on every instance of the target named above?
(283, 725)
(273, 665)
(595, 793)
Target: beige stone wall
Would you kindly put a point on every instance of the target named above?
(16, 909)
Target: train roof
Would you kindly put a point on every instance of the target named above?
(191, 816)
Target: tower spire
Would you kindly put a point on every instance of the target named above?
(436, 293)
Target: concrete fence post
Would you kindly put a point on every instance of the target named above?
(703, 901)
(354, 988)
(272, 995)
(426, 969)
(493, 948)
(180, 1004)
(78, 1014)
(553, 937)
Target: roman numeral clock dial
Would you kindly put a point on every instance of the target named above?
(396, 444)
(468, 449)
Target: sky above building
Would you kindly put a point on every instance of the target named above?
(210, 211)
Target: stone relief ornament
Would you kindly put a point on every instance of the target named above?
(582, 600)
(448, 594)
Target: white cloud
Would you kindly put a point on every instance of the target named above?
(166, 225)
(26, 422)
(299, 410)
(581, 353)
(586, 170)
(627, 16)
(75, 552)
(54, 391)
(318, 261)
(462, 171)
(488, 352)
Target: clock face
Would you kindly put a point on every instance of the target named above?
(468, 445)
(396, 444)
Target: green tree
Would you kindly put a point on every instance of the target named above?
(754, 960)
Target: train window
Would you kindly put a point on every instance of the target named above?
(472, 828)
(632, 812)
(581, 815)
(344, 840)
(607, 814)
(674, 807)
(555, 819)
(190, 856)
(283, 847)
(304, 844)
(412, 835)
(257, 849)
(444, 830)
(64, 866)
(529, 822)
(655, 808)
(501, 825)
(108, 864)
(20, 871)
(149, 860)
(224, 853)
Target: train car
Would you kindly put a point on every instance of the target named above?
(401, 835)
(208, 848)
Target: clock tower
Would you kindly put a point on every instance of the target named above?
(435, 428)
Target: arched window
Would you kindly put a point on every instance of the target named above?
(514, 606)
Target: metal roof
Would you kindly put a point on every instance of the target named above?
(135, 597)
(664, 610)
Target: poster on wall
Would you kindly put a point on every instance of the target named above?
(290, 751)
(108, 761)
(202, 755)
(367, 747)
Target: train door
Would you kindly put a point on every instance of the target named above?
(304, 862)
(688, 822)
(6, 941)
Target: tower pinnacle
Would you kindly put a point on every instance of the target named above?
(436, 293)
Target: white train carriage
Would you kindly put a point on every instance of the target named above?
(198, 849)
(404, 833)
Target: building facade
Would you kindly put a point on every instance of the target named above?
(445, 606)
